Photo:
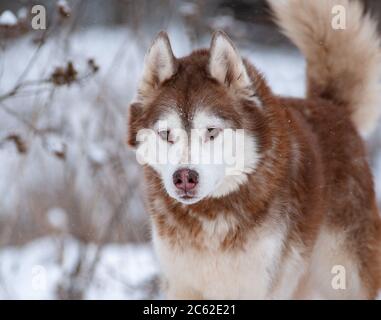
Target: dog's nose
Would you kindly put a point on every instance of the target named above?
(185, 179)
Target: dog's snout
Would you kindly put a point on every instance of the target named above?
(185, 179)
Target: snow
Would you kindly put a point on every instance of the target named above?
(55, 144)
(97, 153)
(90, 121)
(35, 270)
(122, 271)
(22, 13)
(63, 5)
(223, 22)
(7, 18)
(57, 218)
(188, 8)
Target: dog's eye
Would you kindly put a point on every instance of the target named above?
(164, 134)
(212, 133)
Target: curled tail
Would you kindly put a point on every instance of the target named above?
(343, 65)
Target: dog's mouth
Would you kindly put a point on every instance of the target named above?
(188, 198)
(187, 194)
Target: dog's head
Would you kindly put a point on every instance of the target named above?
(199, 121)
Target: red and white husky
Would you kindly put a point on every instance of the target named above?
(299, 209)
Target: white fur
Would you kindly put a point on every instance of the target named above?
(291, 269)
(331, 250)
(263, 269)
(216, 274)
(250, 158)
(217, 177)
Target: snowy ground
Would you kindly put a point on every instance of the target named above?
(37, 269)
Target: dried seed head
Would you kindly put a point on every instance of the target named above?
(63, 8)
(93, 66)
(19, 143)
(64, 76)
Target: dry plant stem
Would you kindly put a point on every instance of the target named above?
(18, 89)
(29, 65)
(23, 85)
(73, 291)
(14, 114)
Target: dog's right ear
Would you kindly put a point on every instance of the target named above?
(159, 65)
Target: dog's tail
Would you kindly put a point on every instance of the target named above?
(342, 48)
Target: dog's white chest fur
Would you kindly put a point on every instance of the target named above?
(221, 274)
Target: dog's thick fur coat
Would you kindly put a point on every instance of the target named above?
(307, 207)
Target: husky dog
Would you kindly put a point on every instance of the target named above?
(298, 218)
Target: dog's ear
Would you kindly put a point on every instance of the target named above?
(159, 65)
(226, 64)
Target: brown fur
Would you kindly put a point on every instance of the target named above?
(343, 65)
(313, 173)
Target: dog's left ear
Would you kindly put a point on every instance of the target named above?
(226, 65)
(159, 65)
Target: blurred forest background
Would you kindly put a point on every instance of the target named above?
(73, 223)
